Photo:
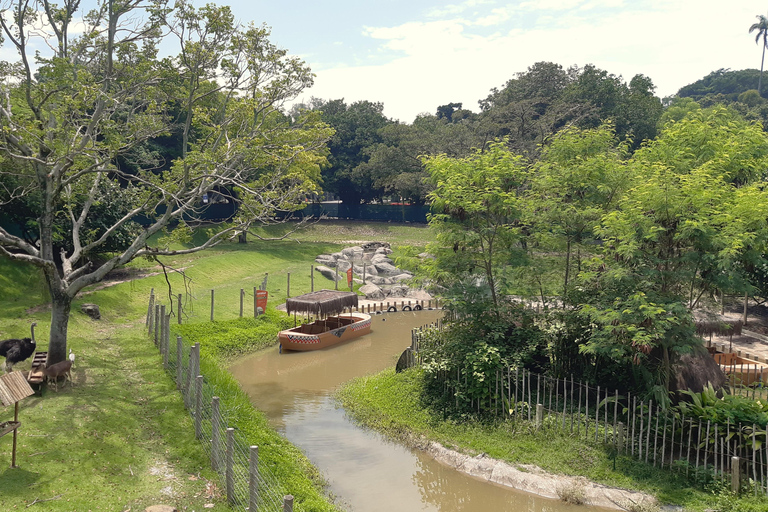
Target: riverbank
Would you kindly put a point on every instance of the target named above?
(541, 461)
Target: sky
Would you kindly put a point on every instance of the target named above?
(414, 55)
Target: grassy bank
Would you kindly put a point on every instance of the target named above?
(120, 438)
(390, 403)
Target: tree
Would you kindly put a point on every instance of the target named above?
(69, 117)
(762, 33)
(694, 213)
(579, 178)
(477, 207)
(357, 128)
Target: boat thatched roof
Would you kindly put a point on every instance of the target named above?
(321, 303)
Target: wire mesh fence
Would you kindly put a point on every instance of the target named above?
(248, 485)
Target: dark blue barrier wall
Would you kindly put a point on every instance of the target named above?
(380, 212)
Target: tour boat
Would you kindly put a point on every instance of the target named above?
(332, 325)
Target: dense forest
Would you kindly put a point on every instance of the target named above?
(372, 158)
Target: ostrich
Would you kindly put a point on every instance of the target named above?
(16, 350)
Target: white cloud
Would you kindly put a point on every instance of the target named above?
(673, 43)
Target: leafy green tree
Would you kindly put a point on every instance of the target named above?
(762, 36)
(476, 207)
(357, 128)
(71, 115)
(578, 178)
(694, 212)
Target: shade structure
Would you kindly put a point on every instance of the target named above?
(321, 303)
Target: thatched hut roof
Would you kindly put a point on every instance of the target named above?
(321, 303)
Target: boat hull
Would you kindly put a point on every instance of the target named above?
(308, 337)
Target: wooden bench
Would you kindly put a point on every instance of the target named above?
(36, 376)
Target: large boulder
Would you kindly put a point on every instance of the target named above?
(326, 259)
(398, 291)
(343, 265)
(372, 292)
(399, 278)
(353, 253)
(387, 269)
(380, 258)
(375, 246)
(379, 280)
(384, 250)
(328, 273)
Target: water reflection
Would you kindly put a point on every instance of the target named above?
(368, 472)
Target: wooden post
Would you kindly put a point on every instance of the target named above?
(216, 435)
(311, 278)
(735, 484)
(746, 303)
(159, 339)
(178, 310)
(253, 478)
(230, 474)
(288, 286)
(165, 348)
(363, 272)
(211, 305)
(242, 297)
(619, 437)
(15, 431)
(199, 406)
(288, 503)
(336, 277)
(148, 320)
(157, 322)
(539, 415)
(179, 362)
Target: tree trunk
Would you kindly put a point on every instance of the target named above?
(61, 305)
(760, 80)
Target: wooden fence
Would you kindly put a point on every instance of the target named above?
(703, 450)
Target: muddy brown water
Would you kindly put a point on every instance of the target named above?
(365, 472)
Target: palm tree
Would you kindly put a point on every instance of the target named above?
(762, 33)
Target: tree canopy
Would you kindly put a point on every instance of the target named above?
(80, 106)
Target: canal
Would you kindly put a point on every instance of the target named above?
(366, 472)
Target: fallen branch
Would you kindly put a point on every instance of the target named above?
(38, 500)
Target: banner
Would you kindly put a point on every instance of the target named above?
(349, 277)
(261, 299)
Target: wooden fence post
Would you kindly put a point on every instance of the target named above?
(619, 437)
(255, 307)
(148, 320)
(242, 295)
(215, 435)
(288, 286)
(157, 322)
(179, 362)
(288, 503)
(253, 482)
(166, 342)
(199, 406)
(336, 277)
(735, 484)
(211, 305)
(178, 313)
(311, 278)
(539, 415)
(230, 474)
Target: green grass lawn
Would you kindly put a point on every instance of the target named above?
(120, 438)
